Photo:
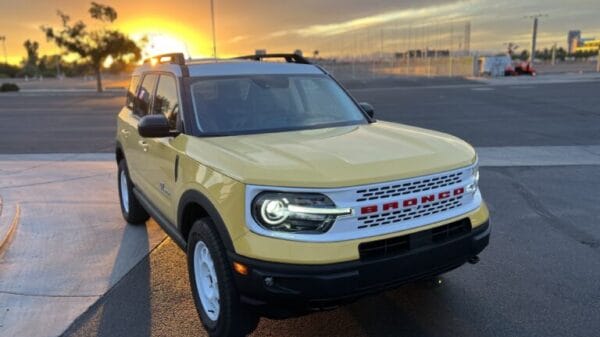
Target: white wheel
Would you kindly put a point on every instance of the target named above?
(213, 285)
(124, 191)
(206, 281)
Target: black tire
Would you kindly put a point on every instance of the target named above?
(234, 318)
(134, 212)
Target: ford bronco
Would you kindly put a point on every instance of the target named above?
(285, 192)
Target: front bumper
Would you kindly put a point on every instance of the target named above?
(280, 289)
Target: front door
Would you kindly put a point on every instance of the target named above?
(161, 164)
(137, 156)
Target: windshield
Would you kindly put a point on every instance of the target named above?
(270, 103)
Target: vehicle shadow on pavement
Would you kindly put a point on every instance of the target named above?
(114, 317)
(387, 314)
(154, 299)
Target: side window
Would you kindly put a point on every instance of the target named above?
(144, 96)
(135, 80)
(166, 101)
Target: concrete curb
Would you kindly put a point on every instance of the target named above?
(9, 220)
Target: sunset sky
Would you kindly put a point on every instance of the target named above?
(330, 26)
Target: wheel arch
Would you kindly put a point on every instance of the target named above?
(119, 153)
(194, 205)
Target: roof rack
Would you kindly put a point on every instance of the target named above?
(289, 58)
(173, 58)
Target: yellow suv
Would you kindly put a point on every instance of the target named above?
(286, 194)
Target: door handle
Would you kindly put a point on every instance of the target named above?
(144, 145)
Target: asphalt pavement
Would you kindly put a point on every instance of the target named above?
(523, 114)
(538, 277)
(58, 122)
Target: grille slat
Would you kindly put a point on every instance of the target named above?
(426, 184)
(410, 213)
(399, 191)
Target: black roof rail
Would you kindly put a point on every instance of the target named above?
(289, 58)
(173, 58)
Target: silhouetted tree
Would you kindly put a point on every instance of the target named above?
(93, 46)
(30, 67)
(524, 56)
(49, 65)
(8, 70)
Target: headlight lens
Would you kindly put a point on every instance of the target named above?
(307, 213)
(472, 188)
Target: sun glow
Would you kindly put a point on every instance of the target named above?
(108, 62)
(158, 36)
(157, 44)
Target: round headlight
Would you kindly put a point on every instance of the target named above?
(309, 213)
(274, 212)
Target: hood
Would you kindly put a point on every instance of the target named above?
(332, 157)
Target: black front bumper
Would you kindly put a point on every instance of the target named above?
(399, 260)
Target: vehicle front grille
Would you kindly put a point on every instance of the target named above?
(405, 243)
(409, 213)
(400, 189)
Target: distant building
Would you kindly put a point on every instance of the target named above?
(588, 45)
(573, 40)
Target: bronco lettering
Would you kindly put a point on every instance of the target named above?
(413, 201)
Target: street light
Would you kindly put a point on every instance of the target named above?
(3, 39)
(214, 35)
(534, 34)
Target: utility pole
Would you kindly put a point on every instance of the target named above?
(534, 35)
(408, 54)
(450, 65)
(214, 34)
(3, 38)
(381, 45)
(554, 54)
(467, 42)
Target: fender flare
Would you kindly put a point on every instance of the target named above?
(118, 147)
(193, 196)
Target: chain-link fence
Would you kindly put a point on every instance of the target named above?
(394, 48)
(450, 66)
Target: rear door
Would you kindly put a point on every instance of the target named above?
(126, 122)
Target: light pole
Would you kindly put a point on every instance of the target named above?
(534, 35)
(3, 38)
(214, 35)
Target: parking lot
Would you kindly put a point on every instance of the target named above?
(540, 276)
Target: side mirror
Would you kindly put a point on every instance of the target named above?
(155, 126)
(368, 108)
